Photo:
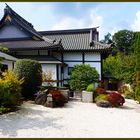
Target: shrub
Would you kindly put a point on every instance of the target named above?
(81, 76)
(31, 71)
(100, 90)
(101, 97)
(90, 88)
(58, 98)
(4, 49)
(128, 93)
(10, 89)
(116, 99)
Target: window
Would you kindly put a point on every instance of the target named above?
(69, 70)
(4, 67)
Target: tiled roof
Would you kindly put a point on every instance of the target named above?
(78, 39)
(16, 19)
(11, 16)
(7, 57)
(41, 58)
(29, 44)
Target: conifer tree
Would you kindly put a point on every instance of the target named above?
(137, 67)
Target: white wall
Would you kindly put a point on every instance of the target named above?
(72, 56)
(50, 67)
(89, 56)
(9, 63)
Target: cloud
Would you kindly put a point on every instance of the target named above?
(97, 20)
(41, 15)
(92, 20)
(136, 25)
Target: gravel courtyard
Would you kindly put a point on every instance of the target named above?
(76, 119)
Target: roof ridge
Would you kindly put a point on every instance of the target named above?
(70, 30)
(17, 15)
(21, 21)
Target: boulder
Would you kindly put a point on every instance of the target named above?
(103, 103)
(41, 98)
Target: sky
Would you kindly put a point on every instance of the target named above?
(109, 16)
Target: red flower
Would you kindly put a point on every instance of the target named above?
(116, 99)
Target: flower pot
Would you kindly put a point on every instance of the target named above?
(87, 97)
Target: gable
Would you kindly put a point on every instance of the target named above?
(12, 31)
(13, 26)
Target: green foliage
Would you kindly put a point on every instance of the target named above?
(31, 71)
(123, 41)
(101, 97)
(137, 66)
(90, 88)
(120, 66)
(0, 66)
(128, 92)
(4, 110)
(107, 39)
(10, 90)
(3, 49)
(81, 76)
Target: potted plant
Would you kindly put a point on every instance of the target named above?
(87, 95)
(81, 76)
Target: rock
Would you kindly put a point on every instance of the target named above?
(49, 102)
(41, 98)
(103, 103)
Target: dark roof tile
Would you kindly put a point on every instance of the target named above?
(29, 44)
(78, 41)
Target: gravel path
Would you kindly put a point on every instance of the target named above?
(76, 119)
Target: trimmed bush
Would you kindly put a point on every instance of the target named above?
(10, 89)
(90, 88)
(31, 71)
(101, 97)
(81, 76)
(116, 99)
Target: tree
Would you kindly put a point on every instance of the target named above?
(123, 41)
(82, 75)
(137, 66)
(119, 67)
(31, 71)
(107, 39)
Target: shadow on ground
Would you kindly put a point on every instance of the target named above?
(26, 118)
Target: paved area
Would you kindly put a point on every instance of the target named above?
(75, 120)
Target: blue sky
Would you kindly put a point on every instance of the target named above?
(109, 16)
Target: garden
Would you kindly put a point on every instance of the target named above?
(25, 81)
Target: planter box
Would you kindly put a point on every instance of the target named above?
(77, 95)
(65, 93)
(87, 97)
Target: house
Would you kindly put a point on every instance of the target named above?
(57, 51)
(7, 61)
